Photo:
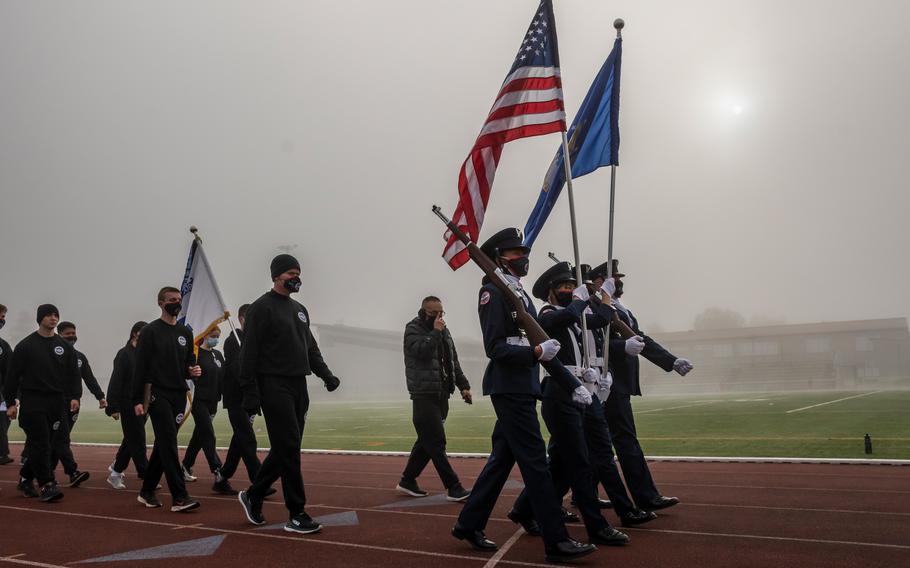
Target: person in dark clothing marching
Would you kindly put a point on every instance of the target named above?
(205, 406)
(512, 381)
(433, 373)
(44, 378)
(278, 353)
(164, 361)
(243, 441)
(564, 411)
(120, 408)
(618, 407)
(5, 353)
(63, 451)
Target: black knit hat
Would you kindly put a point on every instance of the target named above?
(282, 263)
(45, 310)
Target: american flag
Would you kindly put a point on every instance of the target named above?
(528, 104)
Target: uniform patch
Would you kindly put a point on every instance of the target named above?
(180, 418)
(58, 350)
(218, 363)
(56, 425)
(182, 341)
(75, 417)
(79, 363)
(301, 316)
(1, 351)
(252, 418)
(485, 298)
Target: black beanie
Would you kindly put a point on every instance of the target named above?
(45, 310)
(282, 263)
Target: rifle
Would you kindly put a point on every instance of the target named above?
(535, 334)
(624, 330)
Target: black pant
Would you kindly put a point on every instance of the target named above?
(4, 436)
(600, 449)
(429, 416)
(203, 435)
(42, 418)
(285, 402)
(516, 438)
(133, 444)
(570, 465)
(631, 457)
(62, 450)
(165, 410)
(243, 445)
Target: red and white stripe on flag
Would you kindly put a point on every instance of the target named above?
(529, 103)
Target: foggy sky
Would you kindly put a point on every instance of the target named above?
(333, 127)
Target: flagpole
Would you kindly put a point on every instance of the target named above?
(566, 161)
(619, 24)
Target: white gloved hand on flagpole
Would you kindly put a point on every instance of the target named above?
(634, 346)
(581, 293)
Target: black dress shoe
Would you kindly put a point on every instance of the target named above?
(637, 517)
(570, 517)
(659, 503)
(476, 539)
(568, 550)
(527, 523)
(605, 503)
(610, 537)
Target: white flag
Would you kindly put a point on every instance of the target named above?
(203, 306)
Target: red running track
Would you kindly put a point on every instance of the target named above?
(732, 514)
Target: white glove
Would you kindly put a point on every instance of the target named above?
(581, 293)
(682, 366)
(609, 286)
(548, 349)
(582, 396)
(591, 376)
(606, 382)
(634, 346)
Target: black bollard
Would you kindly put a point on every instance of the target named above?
(868, 440)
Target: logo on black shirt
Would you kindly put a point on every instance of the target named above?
(58, 350)
(180, 416)
(301, 316)
(79, 362)
(218, 363)
(182, 341)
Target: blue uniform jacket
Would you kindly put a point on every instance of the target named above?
(513, 368)
(625, 367)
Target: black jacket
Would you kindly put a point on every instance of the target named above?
(119, 396)
(164, 355)
(208, 385)
(625, 367)
(6, 353)
(88, 376)
(42, 366)
(230, 380)
(431, 361)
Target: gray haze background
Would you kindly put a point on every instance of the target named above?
(333, 126)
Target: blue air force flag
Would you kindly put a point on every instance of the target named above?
(593, 140)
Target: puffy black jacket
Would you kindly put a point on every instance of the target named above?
(425, 349)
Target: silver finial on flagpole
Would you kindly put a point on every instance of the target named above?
(619, 24)
(195, 230)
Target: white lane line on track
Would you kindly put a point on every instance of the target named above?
(776, 538)
(15, 559)
(832, 402)
(504, 549)
(271, 536)
(703, 403)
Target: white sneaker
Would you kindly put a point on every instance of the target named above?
(188, 474)
(116, 480)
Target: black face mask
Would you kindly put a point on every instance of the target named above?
(173, 309)
(2, 323)
(427, 320)
(519, 266)
(292, 284)
(563, 298)
(71, 340)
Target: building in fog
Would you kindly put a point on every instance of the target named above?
(854, 355)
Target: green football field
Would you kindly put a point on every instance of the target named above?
(755, 425)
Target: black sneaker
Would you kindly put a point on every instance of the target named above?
(570, 517)
(252, 509)
(184, 504)
(50, 492)
(457, 493)
(78, 477)
(303, 524)
(5, 460)
(410, 488)
(148, 499)
(223, 487)
(27, 487)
